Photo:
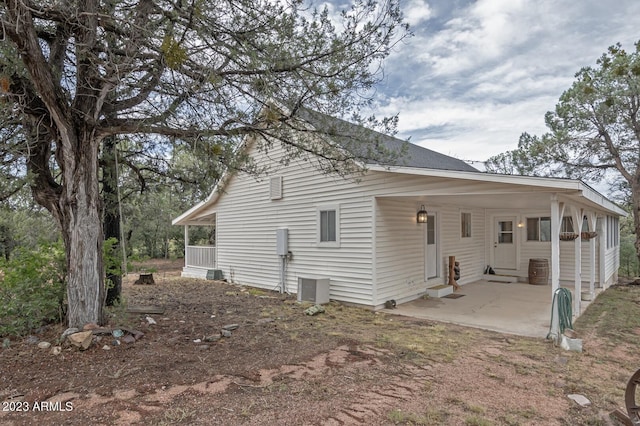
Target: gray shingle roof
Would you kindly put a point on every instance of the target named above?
(350, 135)
(417, 156)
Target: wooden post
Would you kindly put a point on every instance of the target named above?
(452, 280)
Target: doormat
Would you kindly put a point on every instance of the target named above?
(453, 296)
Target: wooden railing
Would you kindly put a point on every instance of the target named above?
(200, 256)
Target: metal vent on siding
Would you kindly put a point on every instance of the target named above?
(275, 188)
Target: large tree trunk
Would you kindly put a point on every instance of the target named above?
(85, 282)
(76, 207)
(83, 237)
(72, 196)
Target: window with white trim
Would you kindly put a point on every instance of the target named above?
(329, 226)
(585, 225)
(567, 225)
(465, 224)
(613, 231)
(538, 229)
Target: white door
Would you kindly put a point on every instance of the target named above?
(505, 243)
(431, 261)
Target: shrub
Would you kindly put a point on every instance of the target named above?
(32, 289)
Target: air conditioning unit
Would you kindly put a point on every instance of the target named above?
(314, 290)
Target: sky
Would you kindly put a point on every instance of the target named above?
(477, 74)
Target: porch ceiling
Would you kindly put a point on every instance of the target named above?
(515, 200)
(509, 191)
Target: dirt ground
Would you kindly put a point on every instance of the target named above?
(282, 367)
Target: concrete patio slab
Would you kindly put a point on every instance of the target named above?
(513, 308)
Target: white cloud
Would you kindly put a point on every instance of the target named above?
(478, 75)
(484, 31)
(473, 131)
(416, 12)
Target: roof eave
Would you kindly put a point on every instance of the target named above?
(547, 182)
(185, 218)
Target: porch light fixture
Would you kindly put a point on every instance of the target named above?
(520, 224)
(422, 215)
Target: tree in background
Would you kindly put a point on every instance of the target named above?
(24, 224)
(594, 132)
(187, 72)
(629, 265)
(152, 187)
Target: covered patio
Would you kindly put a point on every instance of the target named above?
(514, 308)
(510, 221)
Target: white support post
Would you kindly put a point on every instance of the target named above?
(593, 219)
(424, 249)
(576, 214)
(602, 239)
(557, 210)
(186, 244)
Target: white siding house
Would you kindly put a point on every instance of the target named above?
(363, 234)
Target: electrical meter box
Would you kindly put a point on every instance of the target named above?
(282, 241)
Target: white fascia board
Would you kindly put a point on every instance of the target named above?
(594, 196)
(180, 220)
(543, 182)
(558, 183)
(184, 218)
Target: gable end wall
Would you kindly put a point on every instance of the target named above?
(247, 220)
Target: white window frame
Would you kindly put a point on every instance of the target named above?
(613, 232)
(566, 225)
(538, 220)
(319, 210)
(470, 227)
